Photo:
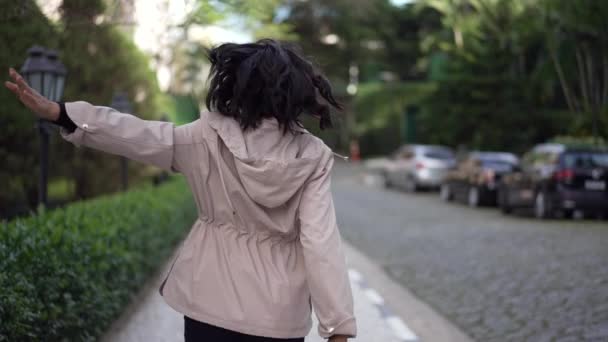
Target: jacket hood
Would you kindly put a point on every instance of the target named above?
(272, 166)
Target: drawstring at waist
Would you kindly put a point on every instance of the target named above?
(261, 235)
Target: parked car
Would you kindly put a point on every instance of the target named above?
(556, 178)
(412, 167)
(476, 177)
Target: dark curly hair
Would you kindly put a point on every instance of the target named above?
(265, 79)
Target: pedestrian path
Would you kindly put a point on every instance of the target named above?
(151, 320)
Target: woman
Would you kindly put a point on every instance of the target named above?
(265, 245)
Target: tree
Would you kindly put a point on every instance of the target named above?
(257, 17)
(499, 88)
(21, 26)
(102, 60)
(339, 33)
(577, 42)
(456, 15)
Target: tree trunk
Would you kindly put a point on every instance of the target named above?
(605, 82)
(583, 83)
(562, 80)
(593, 85)
(458, 38)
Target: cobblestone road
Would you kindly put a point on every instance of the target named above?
(498, 278)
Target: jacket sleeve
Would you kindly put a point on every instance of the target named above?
(106, 129)
(327, 274)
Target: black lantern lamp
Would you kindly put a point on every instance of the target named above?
(46, 74)
(35, 67)
(56, 80)
(120, 102)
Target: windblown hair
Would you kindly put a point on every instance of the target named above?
(265, 79)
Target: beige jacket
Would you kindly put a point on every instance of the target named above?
(265, 244)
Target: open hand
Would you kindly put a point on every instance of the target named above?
(41, 106)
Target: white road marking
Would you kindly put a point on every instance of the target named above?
(374, 296)
(400, 329)
(354, 275)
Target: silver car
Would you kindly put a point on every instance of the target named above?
(413, 167)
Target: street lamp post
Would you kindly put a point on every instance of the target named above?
(352, 89)
(46, 74)
(120, 102)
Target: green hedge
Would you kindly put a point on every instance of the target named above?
(66, 274)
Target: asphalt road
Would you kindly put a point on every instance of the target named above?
(499, 278)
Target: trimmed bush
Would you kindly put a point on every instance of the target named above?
(66, 274)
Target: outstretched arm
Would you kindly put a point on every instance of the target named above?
(103, 128)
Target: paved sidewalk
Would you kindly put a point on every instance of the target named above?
(149, 319)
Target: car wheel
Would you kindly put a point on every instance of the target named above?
(473, 197)
(410, 184)
(542, 208)
(387, 181)
(445, 193)
(502, 199)
(568, 213)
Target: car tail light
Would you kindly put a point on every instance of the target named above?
(564, 175)
(419, 165)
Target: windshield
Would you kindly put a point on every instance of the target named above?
(586, 159)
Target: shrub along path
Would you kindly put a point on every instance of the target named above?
(66, 274)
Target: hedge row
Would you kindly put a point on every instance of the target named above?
(66, 274)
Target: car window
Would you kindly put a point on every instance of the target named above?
(585, 159)
(498, 165)
(437, 153)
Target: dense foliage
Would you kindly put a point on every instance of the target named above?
(18, 143)
(504, 74)
(100, 60)
(67, 274)
(508, 74)
(512, 77)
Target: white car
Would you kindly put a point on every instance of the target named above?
(413, 167)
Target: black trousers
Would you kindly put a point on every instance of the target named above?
(195, 331)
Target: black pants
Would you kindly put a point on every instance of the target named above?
(195, 331)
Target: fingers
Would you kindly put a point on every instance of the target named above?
(20, 92)
(24, 95)
(18, 79)
(12, 87)
(13, 74)
(28, 97)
